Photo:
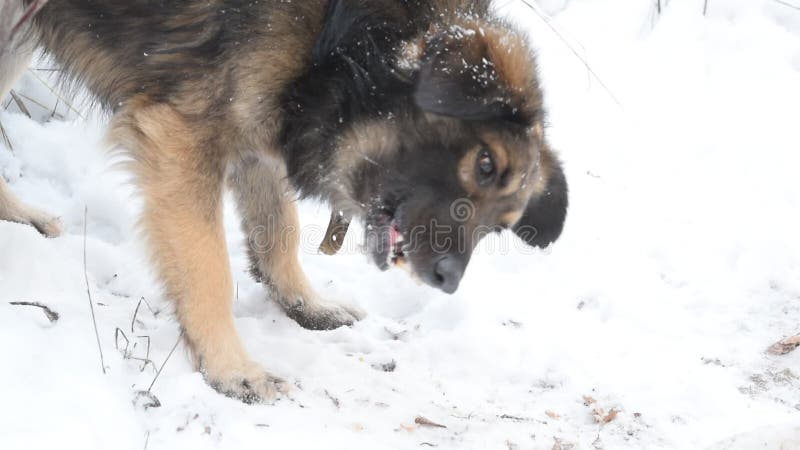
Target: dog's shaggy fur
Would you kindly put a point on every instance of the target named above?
(400, 112)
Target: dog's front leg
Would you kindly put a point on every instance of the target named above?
(13, 210)
(181, 181)
(270, 222)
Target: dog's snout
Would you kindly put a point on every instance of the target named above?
(447, 273)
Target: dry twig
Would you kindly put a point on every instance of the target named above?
(52, 316)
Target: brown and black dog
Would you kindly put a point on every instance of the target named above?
(423, 118)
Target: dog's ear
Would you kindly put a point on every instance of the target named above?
(477, 72)
(544, 217)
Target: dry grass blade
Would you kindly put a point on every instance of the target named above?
(20, 104)
(42, 105)
(117, 334)
(58, 95)
(6, 140)
(784, 4)
(89, 290)
(136, 312)
(52, 316)
(160, 369)
(547, 22)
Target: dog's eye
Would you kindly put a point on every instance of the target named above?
(485, 168)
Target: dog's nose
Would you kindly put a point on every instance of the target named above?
(448, 273)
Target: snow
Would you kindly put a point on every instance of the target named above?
(679, 266)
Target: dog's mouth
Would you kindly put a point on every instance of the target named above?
(386, 240)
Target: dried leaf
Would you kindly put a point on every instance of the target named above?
(422, 421)
(146, 400)
(785, 346)
(610, 416)
(559, 444)
(552, 415)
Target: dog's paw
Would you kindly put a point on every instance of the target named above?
(48, 226)
(44, 223)
(249, 383)
(321, 315)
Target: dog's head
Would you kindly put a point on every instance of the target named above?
(464, 157)
(425, 118)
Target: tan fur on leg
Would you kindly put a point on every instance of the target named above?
(12, 210)
(270, 222)
(181, 180)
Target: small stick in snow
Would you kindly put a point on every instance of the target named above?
(335, 400)
(515, 418)
(52, 316)
(785, 346)
(89, 291)
(336, 233)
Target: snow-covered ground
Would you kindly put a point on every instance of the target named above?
(679, 266)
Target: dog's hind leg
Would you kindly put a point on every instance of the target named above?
(181, 176)
(13, 210)
(270, 222)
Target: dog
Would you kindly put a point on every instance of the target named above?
(422, 118)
